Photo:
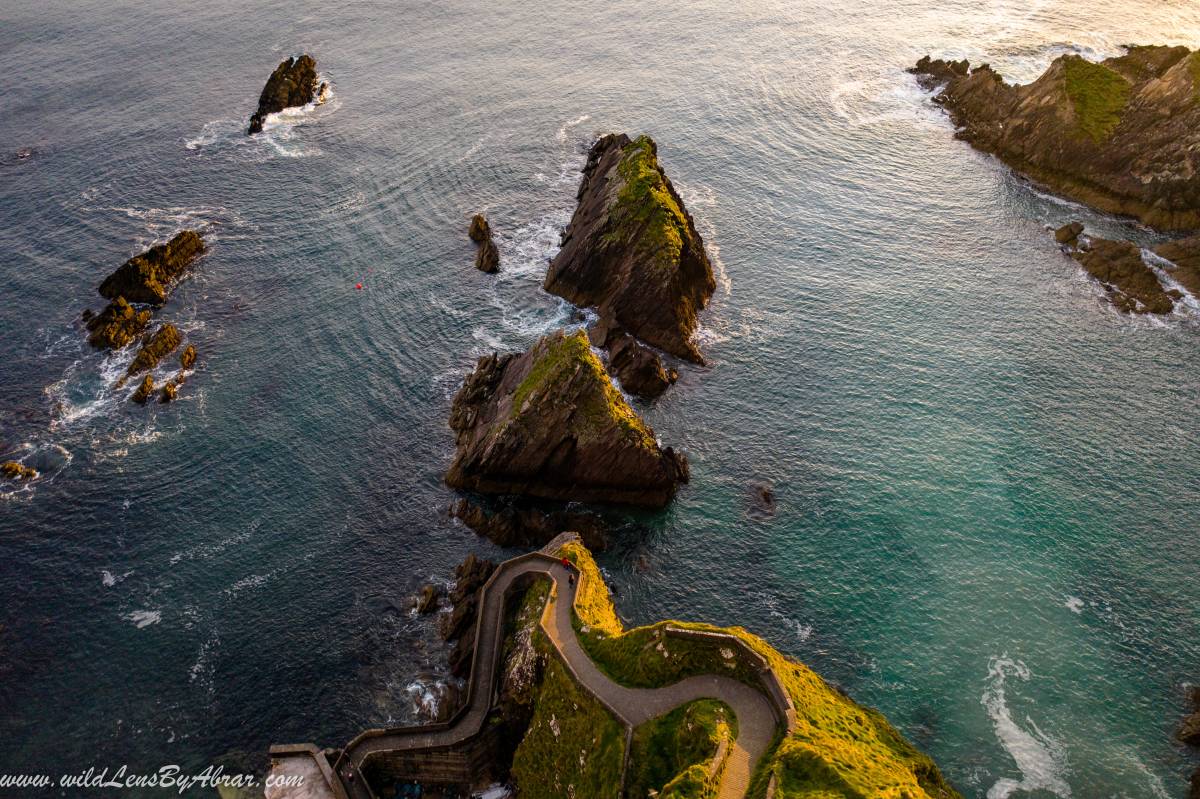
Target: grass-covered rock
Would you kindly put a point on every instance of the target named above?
(549, 423)
(632, 250)
(1122, 135)
(676, 755)
(837, 748)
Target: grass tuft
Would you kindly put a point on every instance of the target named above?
(1099, 95)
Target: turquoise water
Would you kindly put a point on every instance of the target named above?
(987, 480)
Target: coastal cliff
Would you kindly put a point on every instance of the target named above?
(632, 251)
(549, 423)
(1122, 135)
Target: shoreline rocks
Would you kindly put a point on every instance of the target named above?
(550, 424)
(632, 250)
(116, 326)
(155, 347)
(459, 624)
(487, 256)
(1122, 135)
(146, 278)
(293, 83)
(1133, 286)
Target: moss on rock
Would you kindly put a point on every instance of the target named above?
(1099, 96)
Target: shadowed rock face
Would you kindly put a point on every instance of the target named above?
(293, 83)
(639, 368)
(147, 277)
(550, 424)
(487, 257)
(1122, 135)
(511, 526)
(632, 250)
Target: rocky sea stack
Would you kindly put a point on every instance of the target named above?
(549, 423)
(1129, 275)
(146, 278)
(293, 83)
(632, 251)
(1122, 135)
(487, 256)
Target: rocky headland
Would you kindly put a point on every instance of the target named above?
(1130, 277)
(293, 83)
(1122, 135)
(632, 251)
(549, 423)
(487, 256)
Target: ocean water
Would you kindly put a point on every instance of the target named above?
(988, 481)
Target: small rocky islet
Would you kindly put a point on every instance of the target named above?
(1121, 135)
(148, 278)
(294, 83)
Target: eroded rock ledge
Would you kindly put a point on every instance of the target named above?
(293, 83)
(1122, 135)
(549, 423)
(632, 251)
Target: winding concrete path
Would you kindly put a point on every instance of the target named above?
(756, 718)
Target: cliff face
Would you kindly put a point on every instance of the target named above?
(293, 83)
(632, 250)
(550, 424)
(1122, 135)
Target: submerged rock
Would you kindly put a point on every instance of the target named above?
(762, 500)
(511, 526)
(487, 257)
(116, 326)
(147, 277)
(1132, 285)
(1122, 135)
(632, 250)
(293, 83)
(11, 470)
(143, 391)
(1189, 731)
(155, 347)
(549, 423)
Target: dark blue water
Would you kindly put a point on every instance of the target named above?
(988, 480)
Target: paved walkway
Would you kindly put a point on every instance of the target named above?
(633, 706)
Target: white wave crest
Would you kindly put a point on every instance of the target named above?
(1040, 759)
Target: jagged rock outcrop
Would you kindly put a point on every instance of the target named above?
(116, 326)
(155, 347)
(293, 83)
(459, 624)
(1189, 730)
(487, 256)
(144, 390)
(187, 359)
(632, 250)
(1122, 135)
(549, 423)
(637, 367)
(511, 526)
(147, 277)
(1132, 283)
(11, 470)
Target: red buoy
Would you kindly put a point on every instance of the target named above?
(358, 285)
